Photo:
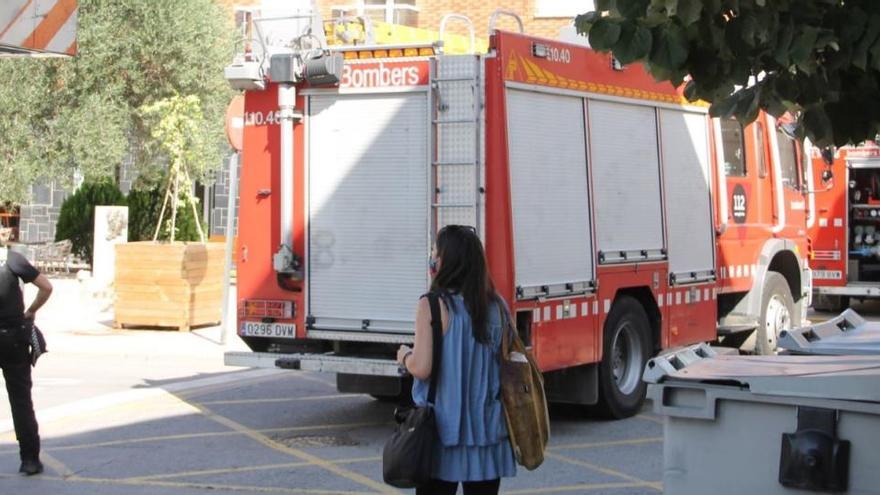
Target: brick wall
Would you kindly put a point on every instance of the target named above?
(431, 11)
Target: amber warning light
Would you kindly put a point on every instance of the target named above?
(259, 308)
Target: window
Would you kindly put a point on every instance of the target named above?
(402, 12)
(562, 8)
(759, 150)
(733, 145)
(788, 160)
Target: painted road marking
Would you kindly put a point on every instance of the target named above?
(585, 487)
(279, 399)
(247, 469)
(92, 405)
(299, 454)
(200, 486)
(648, 417)
(605, 470)
(609, 443)
(186, 436)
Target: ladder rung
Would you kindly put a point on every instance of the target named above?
(455, 164)
(456, 121)
(453, 205)
(454, 79)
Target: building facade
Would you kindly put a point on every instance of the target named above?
(540, 17)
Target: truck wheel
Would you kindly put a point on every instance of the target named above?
(777, 313)
(830, 304)
(626, 349)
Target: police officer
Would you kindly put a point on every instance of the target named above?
(14, 352)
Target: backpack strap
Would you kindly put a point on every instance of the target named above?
(436, 342)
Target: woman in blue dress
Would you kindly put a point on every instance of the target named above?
(473, 447)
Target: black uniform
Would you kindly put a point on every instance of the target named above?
(15, 356)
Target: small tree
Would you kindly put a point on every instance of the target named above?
(143, 215)
(176, 121)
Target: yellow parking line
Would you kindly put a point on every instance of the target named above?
(187, 436)
(651, 418)
(202, 486)
(56, 465)
(299, 454)
(279, 399)
(610, 472)
(609, 443)
(246, 469)
(219, 387)
(585, 487)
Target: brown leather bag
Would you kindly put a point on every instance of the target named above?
(522, 391)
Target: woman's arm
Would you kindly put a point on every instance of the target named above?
(418, 359)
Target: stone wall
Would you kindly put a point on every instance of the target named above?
(39, 217)
(220, 203)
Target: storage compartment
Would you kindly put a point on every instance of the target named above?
(864, 221)
(368, 242)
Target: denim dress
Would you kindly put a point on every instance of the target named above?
(470, 417)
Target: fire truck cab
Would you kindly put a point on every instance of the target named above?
(618, 218)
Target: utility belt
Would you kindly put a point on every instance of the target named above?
(15, 333)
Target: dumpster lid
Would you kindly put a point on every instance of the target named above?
(845, 334)
(854, 378)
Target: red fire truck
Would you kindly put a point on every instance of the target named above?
(845, 233)
(619, 219)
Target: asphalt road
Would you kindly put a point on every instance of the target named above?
(291, 432)
(130, 413)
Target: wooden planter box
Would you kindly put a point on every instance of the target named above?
(176, 285)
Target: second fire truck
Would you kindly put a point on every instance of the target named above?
(619, 219)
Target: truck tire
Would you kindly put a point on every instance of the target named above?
(830, 304)
(777, 313)
(626, 349)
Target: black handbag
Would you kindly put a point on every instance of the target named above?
(408, 456)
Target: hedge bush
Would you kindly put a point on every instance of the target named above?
(76, 220)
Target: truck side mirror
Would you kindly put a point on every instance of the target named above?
(828, 155)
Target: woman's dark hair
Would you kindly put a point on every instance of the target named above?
(463, 269)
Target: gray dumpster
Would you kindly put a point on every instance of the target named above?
(757, 425)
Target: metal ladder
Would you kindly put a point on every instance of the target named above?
(456, 128)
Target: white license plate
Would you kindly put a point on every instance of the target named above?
(258, 329)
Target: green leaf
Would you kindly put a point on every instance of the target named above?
(604, 34)
(690, 91)
(632, 9)
(670, 48)
(782, 51)
(605, 5)
(749, 105)
(688, 11)
(818, 126)
(723, 109)
(803, 44)
(584, 22)
(634, 43)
